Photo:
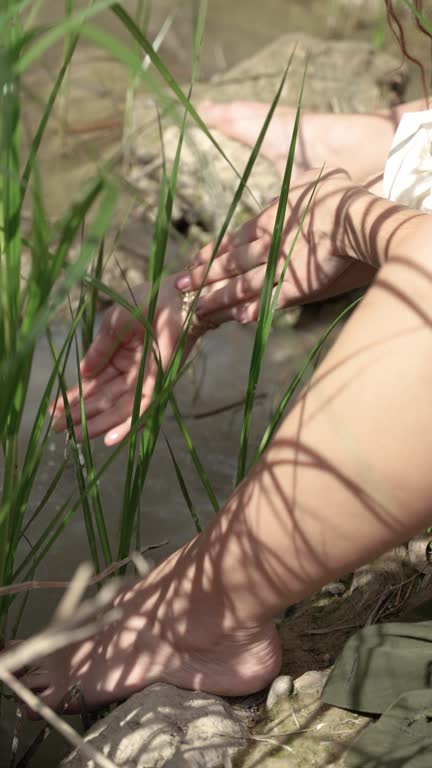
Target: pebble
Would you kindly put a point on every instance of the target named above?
(334, 588)
(281, 687)
(418, 553)
(312, 681)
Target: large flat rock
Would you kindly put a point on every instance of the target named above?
(166, 726)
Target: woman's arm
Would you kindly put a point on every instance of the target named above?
(359, 142)
(346, 235)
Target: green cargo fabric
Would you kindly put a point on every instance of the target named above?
(401, 738)
(379, 664)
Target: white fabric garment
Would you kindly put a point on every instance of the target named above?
(408, 170)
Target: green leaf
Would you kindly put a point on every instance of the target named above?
(266, 311)
(202, 474)
(183, 488)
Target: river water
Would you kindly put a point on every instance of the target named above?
(234, 30)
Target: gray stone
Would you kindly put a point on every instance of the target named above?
(281, 687)
(334, 588)
(166, 726)
(418, 553)
(387, 570)
(311, 682)
(342, 75)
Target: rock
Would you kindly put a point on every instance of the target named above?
(418, 553)
(166, 726)
(311, 682)
(334, 588)
(310, 734)
(281, 687)
(389, 569)
(341, 76)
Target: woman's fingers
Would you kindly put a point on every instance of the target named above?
(234, 262)
(89, 387)
(116, 435)
(252, 230)
(228, 293)
(107, 421)
(97, 400)
(233, 240)
(118, 326)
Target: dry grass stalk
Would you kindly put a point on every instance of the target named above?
(74, 621)
(135, 557)
(89, 618)
(50, 717)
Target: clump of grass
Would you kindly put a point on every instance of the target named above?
(28, 307)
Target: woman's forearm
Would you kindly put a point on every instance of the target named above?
(373, 230)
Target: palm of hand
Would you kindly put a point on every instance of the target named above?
(110, 369)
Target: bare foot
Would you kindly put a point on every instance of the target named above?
(163, 636)
(243, 120)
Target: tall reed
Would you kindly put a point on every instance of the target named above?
(28, 307)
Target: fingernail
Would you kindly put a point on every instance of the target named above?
(111, 437)
(184, 282)
(199, 306)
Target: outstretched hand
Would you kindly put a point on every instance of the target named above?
(111, 366)
(319, 268)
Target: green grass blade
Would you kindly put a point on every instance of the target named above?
(277, 417)
(11, 364)
(422, 19)
(265, 315)
(79, 471)
(291, 250)
(130, 495)
(194, 455)
(65, 514)
(46, 497)
(171, 374)
(176, 361)
(128, 57)
(72, 24)
(91, 474)
(183, 488)
(33, 455)
(199, 26)
(89, 315)
(52, 98)
(135, 481)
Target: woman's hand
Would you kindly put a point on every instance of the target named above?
(111, 366)
(319, 267)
